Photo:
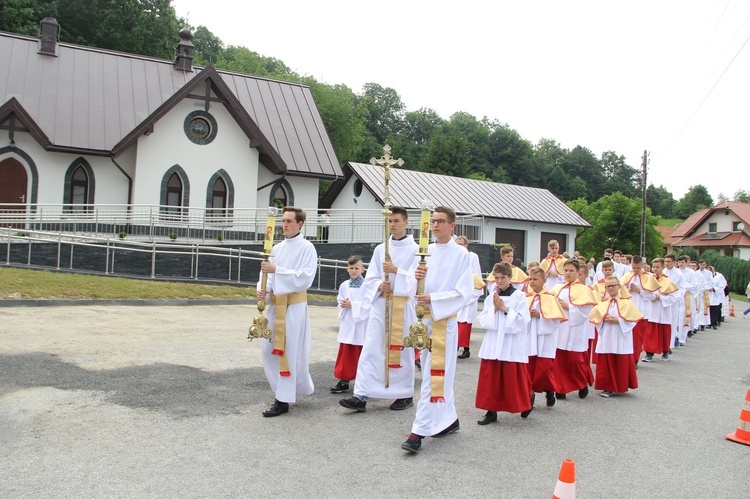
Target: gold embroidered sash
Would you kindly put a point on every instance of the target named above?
(437, 367)
(397, 331)
(279, 337)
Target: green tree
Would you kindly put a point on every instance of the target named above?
(616, 223)
(23, 16)
(619, 176)
(418, 127)
(741, 196)
(446, 153)
(582, 165)
(696, 198)
(661, 201)
(208, 47)
(384, 111)
(512, 157)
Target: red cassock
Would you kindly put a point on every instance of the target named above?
(505, 386)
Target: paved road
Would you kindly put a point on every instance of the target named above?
(112, 401)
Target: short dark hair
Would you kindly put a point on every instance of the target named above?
(637, 259)
(683, 258)
(503, 268)
(574, 262)
(299, 213)
(398, 210)
(354, 259)
(506, 249)
(450, 214)
(670, 256)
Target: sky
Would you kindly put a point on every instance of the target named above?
(669, 77)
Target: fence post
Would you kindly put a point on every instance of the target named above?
(59, 250)
(153, 259)
(193, 250)
(319, 261)
(106, 260)
(239, 264)
(151, 223)
(72, 247)
(229, 277)
(197, 259)
(7, 251)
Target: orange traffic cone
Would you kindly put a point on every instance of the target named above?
(731, 310)
(566, 481)
(742, 435)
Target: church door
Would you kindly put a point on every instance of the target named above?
(13, 190)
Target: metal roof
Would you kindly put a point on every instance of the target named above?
(92, 101)
(467, 196)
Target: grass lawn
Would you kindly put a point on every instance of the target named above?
(28, 284)
(670, 222)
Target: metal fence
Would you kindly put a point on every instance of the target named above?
(67, 252)
(160, 223)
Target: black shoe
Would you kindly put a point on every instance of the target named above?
(354, 403)
(550, 398)
(418, 363)
(465, 354)
(488, 418)
(341, 387)
(401, 404)
(277, 409)
(455, 426)
(690, 334)
(413, 443)
(525, 414)
(583, 392)
(561, 396)
(703, 328)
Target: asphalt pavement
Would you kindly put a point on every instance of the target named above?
(166, 401)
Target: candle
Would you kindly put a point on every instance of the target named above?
(270, 227)
(424, 230)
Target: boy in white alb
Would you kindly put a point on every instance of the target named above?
(353, 312)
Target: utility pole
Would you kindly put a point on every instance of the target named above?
(644, 164)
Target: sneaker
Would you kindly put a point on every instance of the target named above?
(354, 404)
(605, 394)
(665, 356)
(401, 404)
(413, 443)
(455, 426)
(583, 392)
(648, 358)
(550, 398)
(341, 387)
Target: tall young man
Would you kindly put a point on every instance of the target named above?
(659, 333)
(291, 271)
(370, 382)
(448, 286)
(641, 285)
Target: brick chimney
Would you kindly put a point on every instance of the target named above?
(50, 34)
(184, 61)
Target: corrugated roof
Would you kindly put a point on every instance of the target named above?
(466, 196)
(90, 100)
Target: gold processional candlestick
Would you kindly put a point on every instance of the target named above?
(260, 328)
(387, 161)
(417, 337)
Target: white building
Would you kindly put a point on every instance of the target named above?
(84, 127)
(489, 212)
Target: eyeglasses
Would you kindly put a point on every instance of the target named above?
(439, 221)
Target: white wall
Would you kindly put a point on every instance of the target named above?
(722, 220)
(168, 145)
(533, 235)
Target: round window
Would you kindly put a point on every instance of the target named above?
(200, 127)
(357, 188)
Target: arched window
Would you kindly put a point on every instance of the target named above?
(79, 186)
(174, 194)
(281, 194)
(220, 195)
(174, 197)
(219, 198)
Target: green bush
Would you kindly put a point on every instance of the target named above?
(735, 270)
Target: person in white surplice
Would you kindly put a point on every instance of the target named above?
(286, 356)
(449, 285)
(370, 382)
